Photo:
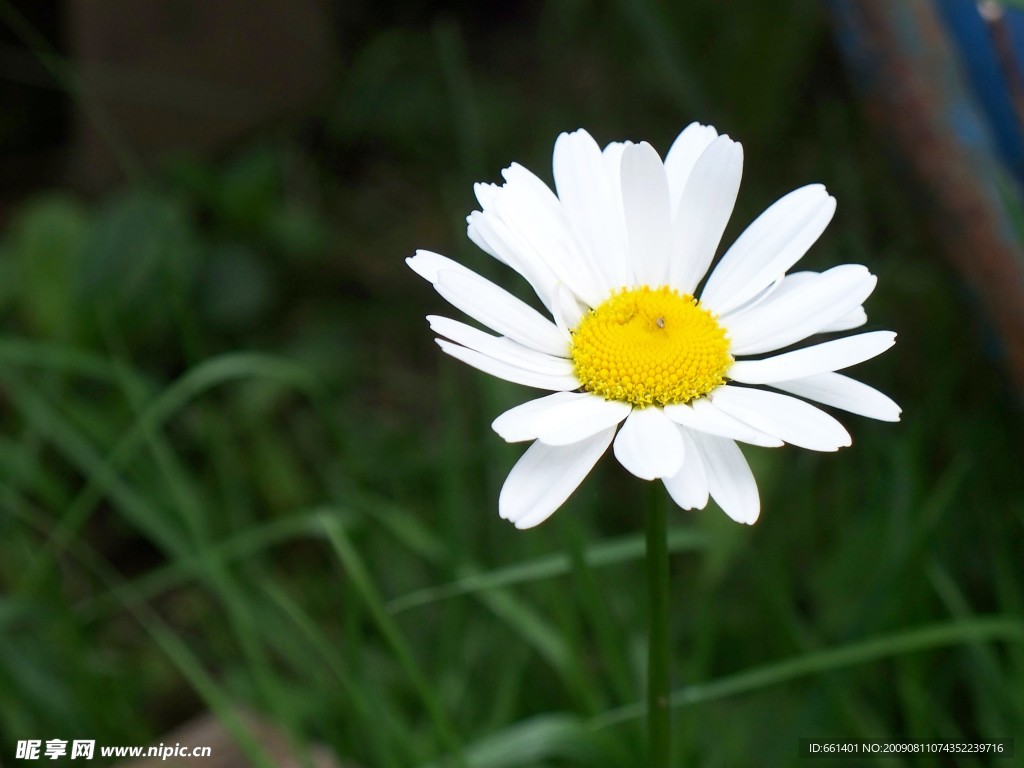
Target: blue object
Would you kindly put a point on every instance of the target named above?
(991, 51)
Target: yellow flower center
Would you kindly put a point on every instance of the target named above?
(650, 346)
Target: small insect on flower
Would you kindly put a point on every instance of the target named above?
(641, 336)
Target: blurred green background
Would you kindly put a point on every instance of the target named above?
(237, 475)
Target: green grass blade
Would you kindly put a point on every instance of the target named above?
(988, 629)
(379, 723)
(356, 571)
(197, 381)
(600, 555)
(532, 742)
(78, 450)
(244, 545)
(60, 358)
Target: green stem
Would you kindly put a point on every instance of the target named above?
(658, 667)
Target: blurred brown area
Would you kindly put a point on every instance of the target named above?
(164, 76)
(206, 731)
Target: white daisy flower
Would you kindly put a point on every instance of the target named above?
(638, 353)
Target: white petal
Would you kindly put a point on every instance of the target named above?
(530, 208)
(821, 358)
(475, 234)
(843, 392)
(703, 416)
(776, 240)
(504, 350)
(612, 155)
(499, 310)
(649, 445)
(784, 286)
(560, 419)
(589, 199)
(427, 264)
(682, 156)
(566, 308)
(765, 295)
(520, 423)
(485, 193)
(805, 310)
(648, 219)
(519, 175)
(855, 318)
(546, 476)
(508, 372)
(703, 212)
(689, 486)
(492, 234)
(730, 480)
(792, 420)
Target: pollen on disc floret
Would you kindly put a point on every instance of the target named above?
(650, 346)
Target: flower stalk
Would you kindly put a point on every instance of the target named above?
(659, 735)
